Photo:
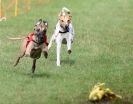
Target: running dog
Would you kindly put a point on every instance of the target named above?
(35, 43)
(63, 33)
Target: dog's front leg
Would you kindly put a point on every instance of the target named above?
(54, 36)
(69, 42)
(33, 65)
(45, 50)
(51, 40)
(58, 50)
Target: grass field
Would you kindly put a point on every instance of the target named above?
(102, 52)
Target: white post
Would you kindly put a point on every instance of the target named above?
(1, 9)
(16, 8)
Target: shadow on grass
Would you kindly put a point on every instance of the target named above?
(33, 75)
(68, 62)
(40, 75)
(83, 99)
(64, 60)
(110, 102)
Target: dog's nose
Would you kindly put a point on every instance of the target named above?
(67, 27)
(37, 30)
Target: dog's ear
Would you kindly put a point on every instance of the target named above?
(45, 23)
(70, 16)
(40, 20)
(60, 17)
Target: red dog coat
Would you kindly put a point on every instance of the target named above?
(30, 38)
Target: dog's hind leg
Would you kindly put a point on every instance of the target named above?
(17, 61)
(22, 51)
(34, 65)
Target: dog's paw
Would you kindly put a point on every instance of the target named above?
(15, 65)
(58, 65)
(49, 46)
(72, 40)
(46, 55)
(69, 51)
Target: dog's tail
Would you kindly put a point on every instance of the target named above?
(15, 38)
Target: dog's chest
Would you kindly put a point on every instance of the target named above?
(63, 37)
(35, 53)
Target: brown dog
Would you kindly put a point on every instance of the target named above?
(35, 43)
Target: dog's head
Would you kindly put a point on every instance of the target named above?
(64, 21)
(40, 29)
(41, 26)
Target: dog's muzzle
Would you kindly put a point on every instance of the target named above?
(67, 28)
(37, 30)
(40, 37)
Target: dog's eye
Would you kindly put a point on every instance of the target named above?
(68, 21)
(62, 21)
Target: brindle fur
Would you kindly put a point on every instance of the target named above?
(33, 50)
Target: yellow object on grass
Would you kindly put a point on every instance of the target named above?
(99, 92)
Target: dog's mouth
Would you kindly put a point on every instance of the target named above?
(65, 28)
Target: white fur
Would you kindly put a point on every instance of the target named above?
(58, 37)
(64, 9)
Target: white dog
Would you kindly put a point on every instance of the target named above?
(64, 32)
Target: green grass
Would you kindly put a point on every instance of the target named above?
(102, 52)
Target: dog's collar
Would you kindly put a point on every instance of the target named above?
(63, 31)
